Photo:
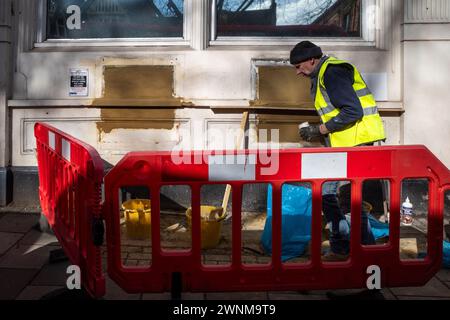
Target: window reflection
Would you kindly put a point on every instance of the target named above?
(316, 18)
(78, 19)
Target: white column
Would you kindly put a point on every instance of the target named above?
(200, 26)
(426, 41)
(418, 11)
(5, 78)
(5, 92)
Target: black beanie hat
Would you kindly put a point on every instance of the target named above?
(303, 51)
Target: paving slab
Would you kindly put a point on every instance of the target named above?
(434, 288)
(444, 275)
(421, 298)
(36, 292)
(236, 296)
(18, 222)
(387, 294)
(193, 296)
(26, 257)
(52, 274)
(7, 240)
(156, 296)
(336, 291)
(168, 296)
(13, 281)
(114, 292)
(35, 237)
(295, 296)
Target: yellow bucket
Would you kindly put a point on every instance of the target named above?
(211, 225)
(137, 218)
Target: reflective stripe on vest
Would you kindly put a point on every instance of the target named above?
(370, 111)
(329, 107)
(363, 92)
(368, 129)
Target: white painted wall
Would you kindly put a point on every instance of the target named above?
(427, 75)
(193, 129)
(427, 95)
(199, 75)
(222, 76)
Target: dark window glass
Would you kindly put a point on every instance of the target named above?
(81, 19)
(289, 18)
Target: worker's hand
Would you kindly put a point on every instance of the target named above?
(310, 132)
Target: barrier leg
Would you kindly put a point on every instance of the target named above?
(177, 285)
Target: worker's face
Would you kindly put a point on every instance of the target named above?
(305, 68)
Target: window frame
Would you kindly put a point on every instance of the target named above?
(367, 38)
(202, 38)
(43, 42)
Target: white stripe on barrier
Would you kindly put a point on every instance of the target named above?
(51, 140)
(65, 149)
(324, 165)
(231, 167)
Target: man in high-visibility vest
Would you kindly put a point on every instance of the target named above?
(349, 117)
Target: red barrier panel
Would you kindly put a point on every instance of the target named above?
(71, 172)
(156, 169)
(70, 179)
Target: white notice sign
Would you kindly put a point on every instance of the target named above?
(79, 82)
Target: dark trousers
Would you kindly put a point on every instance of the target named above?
(340, 229)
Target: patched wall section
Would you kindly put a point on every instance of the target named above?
(279, 86)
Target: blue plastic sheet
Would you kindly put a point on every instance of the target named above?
(446, 256)
(296, 221)
(379, 229)
(296, 224)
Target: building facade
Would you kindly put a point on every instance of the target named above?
(159, 75)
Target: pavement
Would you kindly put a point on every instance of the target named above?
(27, 274)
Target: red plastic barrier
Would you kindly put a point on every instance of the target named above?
(70, 176)
(155, 169)
(70, 179)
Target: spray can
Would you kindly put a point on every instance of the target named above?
(406, 217)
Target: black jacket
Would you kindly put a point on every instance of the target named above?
(338, 80)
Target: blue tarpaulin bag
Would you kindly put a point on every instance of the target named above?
(446, 255)
(379, 229)
(296, 208)
(296, 221)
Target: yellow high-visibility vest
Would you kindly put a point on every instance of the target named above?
(368, 129)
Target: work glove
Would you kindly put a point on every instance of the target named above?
(310, 132)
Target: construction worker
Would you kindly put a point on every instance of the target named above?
(349, 117)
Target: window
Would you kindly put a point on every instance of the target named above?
(90, 19)
(288, 18)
